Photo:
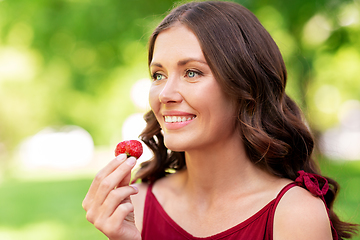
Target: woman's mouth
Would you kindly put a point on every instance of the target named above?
(175, 119)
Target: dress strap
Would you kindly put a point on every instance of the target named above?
(282, 192)
(318, 186)
(270, 224)
(150, 186)
(278, 198)
(147, 208)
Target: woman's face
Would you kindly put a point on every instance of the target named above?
(186, 99)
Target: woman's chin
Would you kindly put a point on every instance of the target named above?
(174, 146)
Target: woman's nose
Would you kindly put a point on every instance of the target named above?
(170, 92)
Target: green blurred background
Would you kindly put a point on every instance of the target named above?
(68, 69)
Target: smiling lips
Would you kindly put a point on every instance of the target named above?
(175, 119)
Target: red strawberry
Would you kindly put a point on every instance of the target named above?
(130, 147)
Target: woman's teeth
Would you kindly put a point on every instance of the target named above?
(172, 119)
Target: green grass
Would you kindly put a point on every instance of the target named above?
(45, 210)
(52, 209)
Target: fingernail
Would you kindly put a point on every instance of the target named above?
(121, 157)
(134, 187)
(131, 161)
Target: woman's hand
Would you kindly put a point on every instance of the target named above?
(107, 203)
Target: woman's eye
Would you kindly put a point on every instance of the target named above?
(192, 74)
(157, 76)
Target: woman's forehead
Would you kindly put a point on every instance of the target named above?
(177, 41)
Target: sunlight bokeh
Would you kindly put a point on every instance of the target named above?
(69, 147)
(342, 142)
(140, 93)
(17, 64)
(317, 30)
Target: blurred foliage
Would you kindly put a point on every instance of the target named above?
(72, 62)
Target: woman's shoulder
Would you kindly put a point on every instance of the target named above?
(301, 215)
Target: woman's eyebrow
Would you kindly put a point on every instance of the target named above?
(155, 64)
(187, 60)
(181, 62)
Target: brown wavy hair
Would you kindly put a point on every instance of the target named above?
(249, 67)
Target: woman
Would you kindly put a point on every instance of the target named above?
(232, 156)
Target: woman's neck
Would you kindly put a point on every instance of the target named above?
(221, 171)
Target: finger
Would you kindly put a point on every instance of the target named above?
(114, 227)
(115, 198)
(121, 213)
(126, 180)
(102, 174)
(113, 180)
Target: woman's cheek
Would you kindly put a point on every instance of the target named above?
(153, 98)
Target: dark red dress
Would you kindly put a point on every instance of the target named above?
(157, 225)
